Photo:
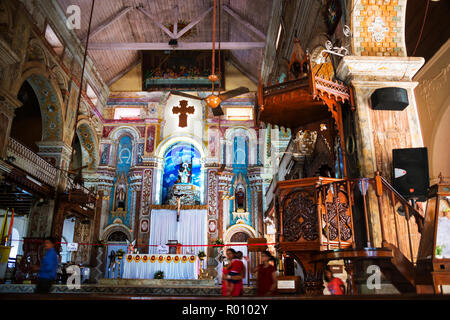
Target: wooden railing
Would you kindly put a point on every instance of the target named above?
(394, 213)
(31, 163)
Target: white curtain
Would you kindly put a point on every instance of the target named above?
(190, 230)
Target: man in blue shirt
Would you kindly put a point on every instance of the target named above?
(49, 267)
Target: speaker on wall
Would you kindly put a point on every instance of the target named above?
(411, 178)
(389, 99)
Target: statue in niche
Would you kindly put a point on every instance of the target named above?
(184, 173)
(239, 196)
(120, 196)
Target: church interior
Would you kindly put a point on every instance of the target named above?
(149, 137)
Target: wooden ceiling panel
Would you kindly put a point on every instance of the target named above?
(135, 26)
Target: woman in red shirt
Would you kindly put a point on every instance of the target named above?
(267, 275)
(237, 288)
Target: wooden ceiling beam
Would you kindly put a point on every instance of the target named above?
(193, 23)
(244, 22)
(132, 46)
(175, 22)
(108, 22)
(155, 21)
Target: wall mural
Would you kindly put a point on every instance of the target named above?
(121, 192)
(178, 70)
(86, 136)
(181, 166)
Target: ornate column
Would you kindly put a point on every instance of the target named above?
(8, 105)
(379, 60)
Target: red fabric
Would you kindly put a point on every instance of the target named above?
(334, 286)
(236, 266)
(238, 289)
(265, 280)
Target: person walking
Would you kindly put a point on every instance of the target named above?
(48, 268)
(267, 275)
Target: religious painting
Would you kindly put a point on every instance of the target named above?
(179, 70)
(150, 139)
(333, 13)
(104, 158)
(181, 166)
(144, 225)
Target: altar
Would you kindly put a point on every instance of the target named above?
(174, 266)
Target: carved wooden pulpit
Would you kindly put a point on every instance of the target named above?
(313, 215)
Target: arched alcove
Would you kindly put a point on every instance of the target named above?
(27, 124)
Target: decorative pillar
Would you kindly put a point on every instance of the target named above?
(8, 105)
(379, 60)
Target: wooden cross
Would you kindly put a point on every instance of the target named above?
(183, 110)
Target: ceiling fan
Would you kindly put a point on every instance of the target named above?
(214, 100)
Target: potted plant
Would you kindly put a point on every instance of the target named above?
(438, 253)
(218, 245)
(159, 275)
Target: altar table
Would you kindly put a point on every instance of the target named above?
(174, 266)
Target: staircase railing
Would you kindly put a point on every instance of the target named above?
(394, 216)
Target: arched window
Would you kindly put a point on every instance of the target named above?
(176, 158)
(240, 154)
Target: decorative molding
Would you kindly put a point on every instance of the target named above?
(378, 68)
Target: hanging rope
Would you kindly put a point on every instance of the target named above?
(421, 29)
(213, 67)
(81, 84)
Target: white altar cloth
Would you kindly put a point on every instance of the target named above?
(174, 266)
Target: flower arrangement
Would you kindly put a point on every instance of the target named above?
(201, 255)
(120, 253)
(159, 275)
(219, 242)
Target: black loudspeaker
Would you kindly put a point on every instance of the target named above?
(389, 99)
(411, 178)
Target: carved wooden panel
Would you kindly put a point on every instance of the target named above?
(299, 217)
(337, 204)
